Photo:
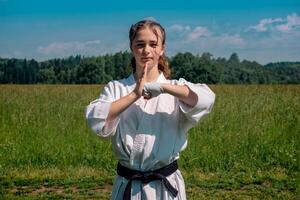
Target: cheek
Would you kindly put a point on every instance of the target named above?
(136, 53)
(157, 53)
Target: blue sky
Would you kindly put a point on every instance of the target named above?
(260, 30)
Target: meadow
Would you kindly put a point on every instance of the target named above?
(247, 148)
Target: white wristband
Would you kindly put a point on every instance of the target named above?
(153, 89)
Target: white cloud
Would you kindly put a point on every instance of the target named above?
(67, 47)
(92, 42)
(150, 18)
(285, 25)
(233, 40)
(197, 33)
(179, 28)
(264, 24)
(187, 34)
(212, 43)
(200, 38)
(292, 22)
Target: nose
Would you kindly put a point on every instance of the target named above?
(146, 49)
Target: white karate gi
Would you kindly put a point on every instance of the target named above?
(149, 134)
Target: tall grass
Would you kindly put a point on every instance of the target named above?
(253, 131)
(44, 126)
(250, 128)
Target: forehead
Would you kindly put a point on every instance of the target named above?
(148, 34)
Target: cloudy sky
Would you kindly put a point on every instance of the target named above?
(260, 30)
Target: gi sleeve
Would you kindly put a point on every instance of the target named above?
(97, 111)
(192, 115)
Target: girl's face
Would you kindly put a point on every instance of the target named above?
(147, 47)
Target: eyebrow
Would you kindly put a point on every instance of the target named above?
(142, 41)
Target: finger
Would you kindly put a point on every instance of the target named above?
(145, 69)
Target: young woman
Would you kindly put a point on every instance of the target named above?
(147, 117)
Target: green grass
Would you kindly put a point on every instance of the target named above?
(247, 148)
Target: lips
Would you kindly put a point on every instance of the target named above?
(146, 58)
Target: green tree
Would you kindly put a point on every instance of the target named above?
(47, 75)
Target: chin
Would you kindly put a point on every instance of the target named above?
(150, 64)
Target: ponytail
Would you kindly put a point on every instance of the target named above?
(163, 66)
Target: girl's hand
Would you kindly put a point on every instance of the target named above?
(141, 81)
(153, 89)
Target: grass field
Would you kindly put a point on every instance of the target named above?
(247, 148)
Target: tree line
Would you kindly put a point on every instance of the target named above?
(101, 69)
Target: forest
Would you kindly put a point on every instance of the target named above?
(100, 69)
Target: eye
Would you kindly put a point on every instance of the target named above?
(140, 45)
(154, 45)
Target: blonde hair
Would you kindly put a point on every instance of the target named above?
(163, 64)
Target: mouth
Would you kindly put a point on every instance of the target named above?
(145, 59)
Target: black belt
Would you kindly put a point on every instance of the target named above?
(146, 177)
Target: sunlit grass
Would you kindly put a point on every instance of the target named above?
(247, 148)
